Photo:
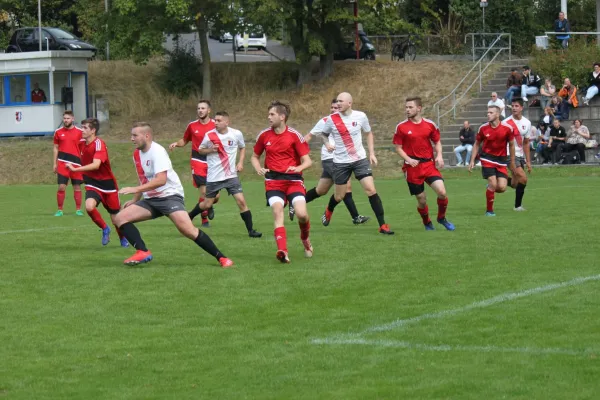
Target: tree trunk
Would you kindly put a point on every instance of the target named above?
(201, 28)
(304, 74)
(326, 60)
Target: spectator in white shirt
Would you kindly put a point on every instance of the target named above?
(495, 101)
(547, 91)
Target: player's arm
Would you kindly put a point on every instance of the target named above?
(305, 162)
(439, 158)
(255, 161)
(90, 167)
(55, 157)
(160, 179)
(242, 157)
(527, 151)
(206, 150)
(371, 147)
(511, 146)
(474, 153)
(405, 157)
(136, 197)
(180, 143)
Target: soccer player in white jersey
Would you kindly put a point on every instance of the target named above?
(326, 181)
(220, 146)
(162, 194)
(346, 127)
(522, 128)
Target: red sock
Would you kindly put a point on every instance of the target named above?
(281, 238)
(119, 233)
(489, 196)
(424, 213)
(442, 206)
(97, 218)
(77, 196)
(304, 229)
(60, 199)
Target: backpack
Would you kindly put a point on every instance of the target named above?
(572, 157)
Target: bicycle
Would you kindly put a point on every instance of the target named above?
(404, 49)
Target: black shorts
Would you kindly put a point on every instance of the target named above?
(327, 169)
(160, 206)
(343, 172)
(487, 172)
(199, 180)
(64, 180)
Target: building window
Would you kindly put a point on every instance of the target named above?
(40, 88)
(1, 91)
(61, 79)
(18, 89)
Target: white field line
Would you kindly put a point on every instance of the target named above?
(447, 348)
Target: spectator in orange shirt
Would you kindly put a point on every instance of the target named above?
(37, 94)
(569, 94)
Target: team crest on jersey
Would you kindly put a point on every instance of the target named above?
(354, 123)
(230, 143)
(147, 163)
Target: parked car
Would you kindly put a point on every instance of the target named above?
(347, 49)
(225, 37)
(27, 39)
(255, 40)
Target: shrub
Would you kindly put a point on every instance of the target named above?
(182, 73)
(576, 63)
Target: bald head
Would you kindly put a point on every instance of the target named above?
(344, 102)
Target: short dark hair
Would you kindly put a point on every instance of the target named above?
(526, 67)
(93, 123)
(513, 69)
(281, 108)
(334, 100)
(598, 64)
(68, 112)
(222, 114)
(517, 100)
(207, 102)
(580, 121)
(416, 99)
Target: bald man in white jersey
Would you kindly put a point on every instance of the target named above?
(349, 156)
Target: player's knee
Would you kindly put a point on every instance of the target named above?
(188, 230)
(370, 191)
(62, 187)
(90, 206)
(442, 194)
(500, 189)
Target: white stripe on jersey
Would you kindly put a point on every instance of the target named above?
(297, 134)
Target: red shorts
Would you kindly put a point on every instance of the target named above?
(64, 174)
(110, 201)
(199, 172)
(417, 176)
(287, 190)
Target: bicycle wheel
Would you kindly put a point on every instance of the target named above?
(411, 53)
(396, 51)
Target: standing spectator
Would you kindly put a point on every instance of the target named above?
(561, 25)
(467, 139)
(558, 136)
(547, 91)
(513, 85)
(37, 94)
(569, 95)
(594, 84)
(578, 137)
(530, 83)
(495, 101)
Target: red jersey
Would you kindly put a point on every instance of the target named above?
(416, 139)
(69, 142)
(282, 150)
(495, 140)
(101, 179)
(194, 133)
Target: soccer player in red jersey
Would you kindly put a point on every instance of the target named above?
(413, 140)
(67, 141)
(100, 183)
(195, 132)
(286, 156)
(494, 137)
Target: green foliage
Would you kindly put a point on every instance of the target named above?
(182, 73)
(575, 64)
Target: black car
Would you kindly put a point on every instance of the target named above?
(27, 39)
(347, 50)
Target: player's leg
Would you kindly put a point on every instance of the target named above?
(275, 199)
(325, 183)
(62, 179)
(299, 202)
(364, 174)
(519, 183)
(489, 174)
(341, 175)
(245, 213)
(92, 199)
(200, 183)
(438, 186)
(416, 187)
(357, 219)
(124, 221)
(77, 196)
(184, 224)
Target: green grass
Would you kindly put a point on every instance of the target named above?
(76, 324)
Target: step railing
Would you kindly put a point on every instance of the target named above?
(457, 96)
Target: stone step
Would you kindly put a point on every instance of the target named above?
(591, 112)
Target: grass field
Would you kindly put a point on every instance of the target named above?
(502, 308)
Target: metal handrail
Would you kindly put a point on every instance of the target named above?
(500, 34)
(436, 106)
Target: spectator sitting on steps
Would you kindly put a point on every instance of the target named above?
(558, 137)
(578, 137)
(547, 91)
(561, 25)
(541, 145)
(530, 83)
(594, 84)
(513, 85)
(559, 108)
(495, 101)
(467, 139)
(569, 94)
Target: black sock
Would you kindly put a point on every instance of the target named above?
(519, 195)
(194, 213)
(206, 243)
(377, 207)
(247, 217)
(132, 234)
(311, 195)
(509, 181)
(349, 202)
(332, 203)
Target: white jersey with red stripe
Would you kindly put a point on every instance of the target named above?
(522, 129)
(221, 165)
(152, 162)
(347, 134)
(317, 130)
